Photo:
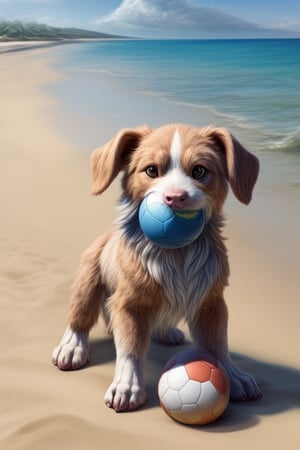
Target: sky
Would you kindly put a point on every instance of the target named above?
(164, 18)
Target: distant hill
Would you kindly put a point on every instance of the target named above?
(19, 31)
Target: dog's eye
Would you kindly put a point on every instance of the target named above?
(152, 171)
(198, 172)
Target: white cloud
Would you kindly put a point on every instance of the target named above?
(172, 16)
(286, 24)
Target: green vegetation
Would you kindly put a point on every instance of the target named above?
(19, 31)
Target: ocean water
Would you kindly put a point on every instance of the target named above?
(246, 84)
(252, 87)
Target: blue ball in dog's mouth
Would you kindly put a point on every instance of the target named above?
(169, 228)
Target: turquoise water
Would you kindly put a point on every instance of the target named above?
(250, 85)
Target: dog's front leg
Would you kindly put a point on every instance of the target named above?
(132, 326)
(209, 330)
(127, 391)
(87, 295)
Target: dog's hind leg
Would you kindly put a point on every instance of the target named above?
(87, 295)
(170, 336)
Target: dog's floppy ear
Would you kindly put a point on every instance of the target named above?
(242, 166)
(109, 160)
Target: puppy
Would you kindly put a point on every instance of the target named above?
(143, 290)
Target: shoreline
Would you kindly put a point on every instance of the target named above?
(19, 46)
(48, 219)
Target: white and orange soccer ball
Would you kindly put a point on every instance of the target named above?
(194, 388)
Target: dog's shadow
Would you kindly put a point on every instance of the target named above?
(280, 384)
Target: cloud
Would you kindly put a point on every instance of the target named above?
(173, 17)
(287, 24)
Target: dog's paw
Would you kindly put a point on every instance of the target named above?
(125, 396)
(127, 391)
(172, 336)
(72, 352)
(243, 386)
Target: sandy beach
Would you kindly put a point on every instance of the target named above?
(48, 217)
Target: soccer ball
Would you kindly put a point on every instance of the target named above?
(166, 227)
(193, 388)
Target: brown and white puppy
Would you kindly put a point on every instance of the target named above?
(144, 290)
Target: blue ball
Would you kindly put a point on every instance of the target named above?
(169, 228)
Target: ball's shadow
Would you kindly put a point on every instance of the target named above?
(280, 385)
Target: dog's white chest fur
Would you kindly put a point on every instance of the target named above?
(186, 275)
